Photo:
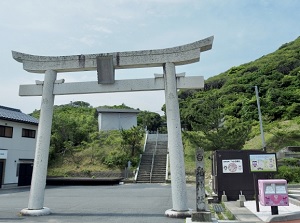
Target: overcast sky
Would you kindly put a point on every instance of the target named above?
(243, 30)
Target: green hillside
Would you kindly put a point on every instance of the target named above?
(228, 102)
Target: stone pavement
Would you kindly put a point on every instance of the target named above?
(286, 214)
(242, 214)
(134, 203)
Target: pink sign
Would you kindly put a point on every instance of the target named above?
(273, 192)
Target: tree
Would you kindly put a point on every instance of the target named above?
(122, 106)
(218, 131)
(72, 123)
(131, 140)
(129, 150)
(150, 120)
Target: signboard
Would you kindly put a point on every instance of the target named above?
(273, 192)
(3, 154)
(232, 166)
(263, 162)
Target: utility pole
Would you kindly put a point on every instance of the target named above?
(260, 120)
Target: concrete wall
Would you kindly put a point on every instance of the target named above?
(116, 121)
(17, 147)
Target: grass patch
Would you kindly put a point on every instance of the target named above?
(277, 135)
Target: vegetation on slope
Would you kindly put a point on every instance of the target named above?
(78, 147)
(228, 101)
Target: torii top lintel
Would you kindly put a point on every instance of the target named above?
(180, 55)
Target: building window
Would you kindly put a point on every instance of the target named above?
(28, 133)
(6, 131)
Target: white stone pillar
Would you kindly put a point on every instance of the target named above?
(178, 182)
(38, 182)
(202, 214)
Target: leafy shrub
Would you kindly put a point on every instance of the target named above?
(116, 158)
(290, 173)
(290, 162)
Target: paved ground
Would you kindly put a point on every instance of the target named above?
(133, 203)
(286, 214)
(265, 211)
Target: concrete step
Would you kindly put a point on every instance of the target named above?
(158, 179)
(143, 172)
(159, 163)
(143, 178)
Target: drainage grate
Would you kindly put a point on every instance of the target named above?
(218, 208)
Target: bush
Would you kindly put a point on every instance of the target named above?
(290, 173)
(290, 162)
(116, 158)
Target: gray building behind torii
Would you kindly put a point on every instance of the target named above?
(116, 119)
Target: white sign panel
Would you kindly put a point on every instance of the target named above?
(263, 162)
(232, 166)
(3, 154)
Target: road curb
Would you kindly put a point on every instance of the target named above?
(284, 217)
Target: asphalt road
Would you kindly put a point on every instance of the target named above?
(134, 203)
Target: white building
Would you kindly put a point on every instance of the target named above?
(116, 119)
(17, 146)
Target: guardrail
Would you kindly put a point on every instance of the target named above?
(153, 156)
(167, 167)
(137, 170)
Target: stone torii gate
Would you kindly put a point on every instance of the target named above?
(105, 64)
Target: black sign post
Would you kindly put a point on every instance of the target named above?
(262, 163)
(256, 191)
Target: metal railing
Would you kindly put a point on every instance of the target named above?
(153, 156)
(138, 169)
(167, 168)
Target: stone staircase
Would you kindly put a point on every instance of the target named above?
(159, 160)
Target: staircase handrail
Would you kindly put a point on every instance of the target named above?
(138, 169)
(167, 167)
(146, 138)
(153, 155)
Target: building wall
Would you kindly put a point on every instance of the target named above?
(116, 121)
(18, 148)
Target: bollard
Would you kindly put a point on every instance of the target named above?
(224, 197)
(241, 200)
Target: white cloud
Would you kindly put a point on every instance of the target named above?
(100, 29)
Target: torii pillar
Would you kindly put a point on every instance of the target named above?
(175, 146)
(105, 64)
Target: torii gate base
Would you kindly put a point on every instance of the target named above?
(178, 214)
(170, 82)
(41, 212)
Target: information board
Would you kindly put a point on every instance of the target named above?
(263, 162)
(232, 166)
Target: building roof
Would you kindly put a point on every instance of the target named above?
(113, 110)
(15, 115)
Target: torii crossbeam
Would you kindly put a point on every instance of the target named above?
(180, 55)
(105, 64)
